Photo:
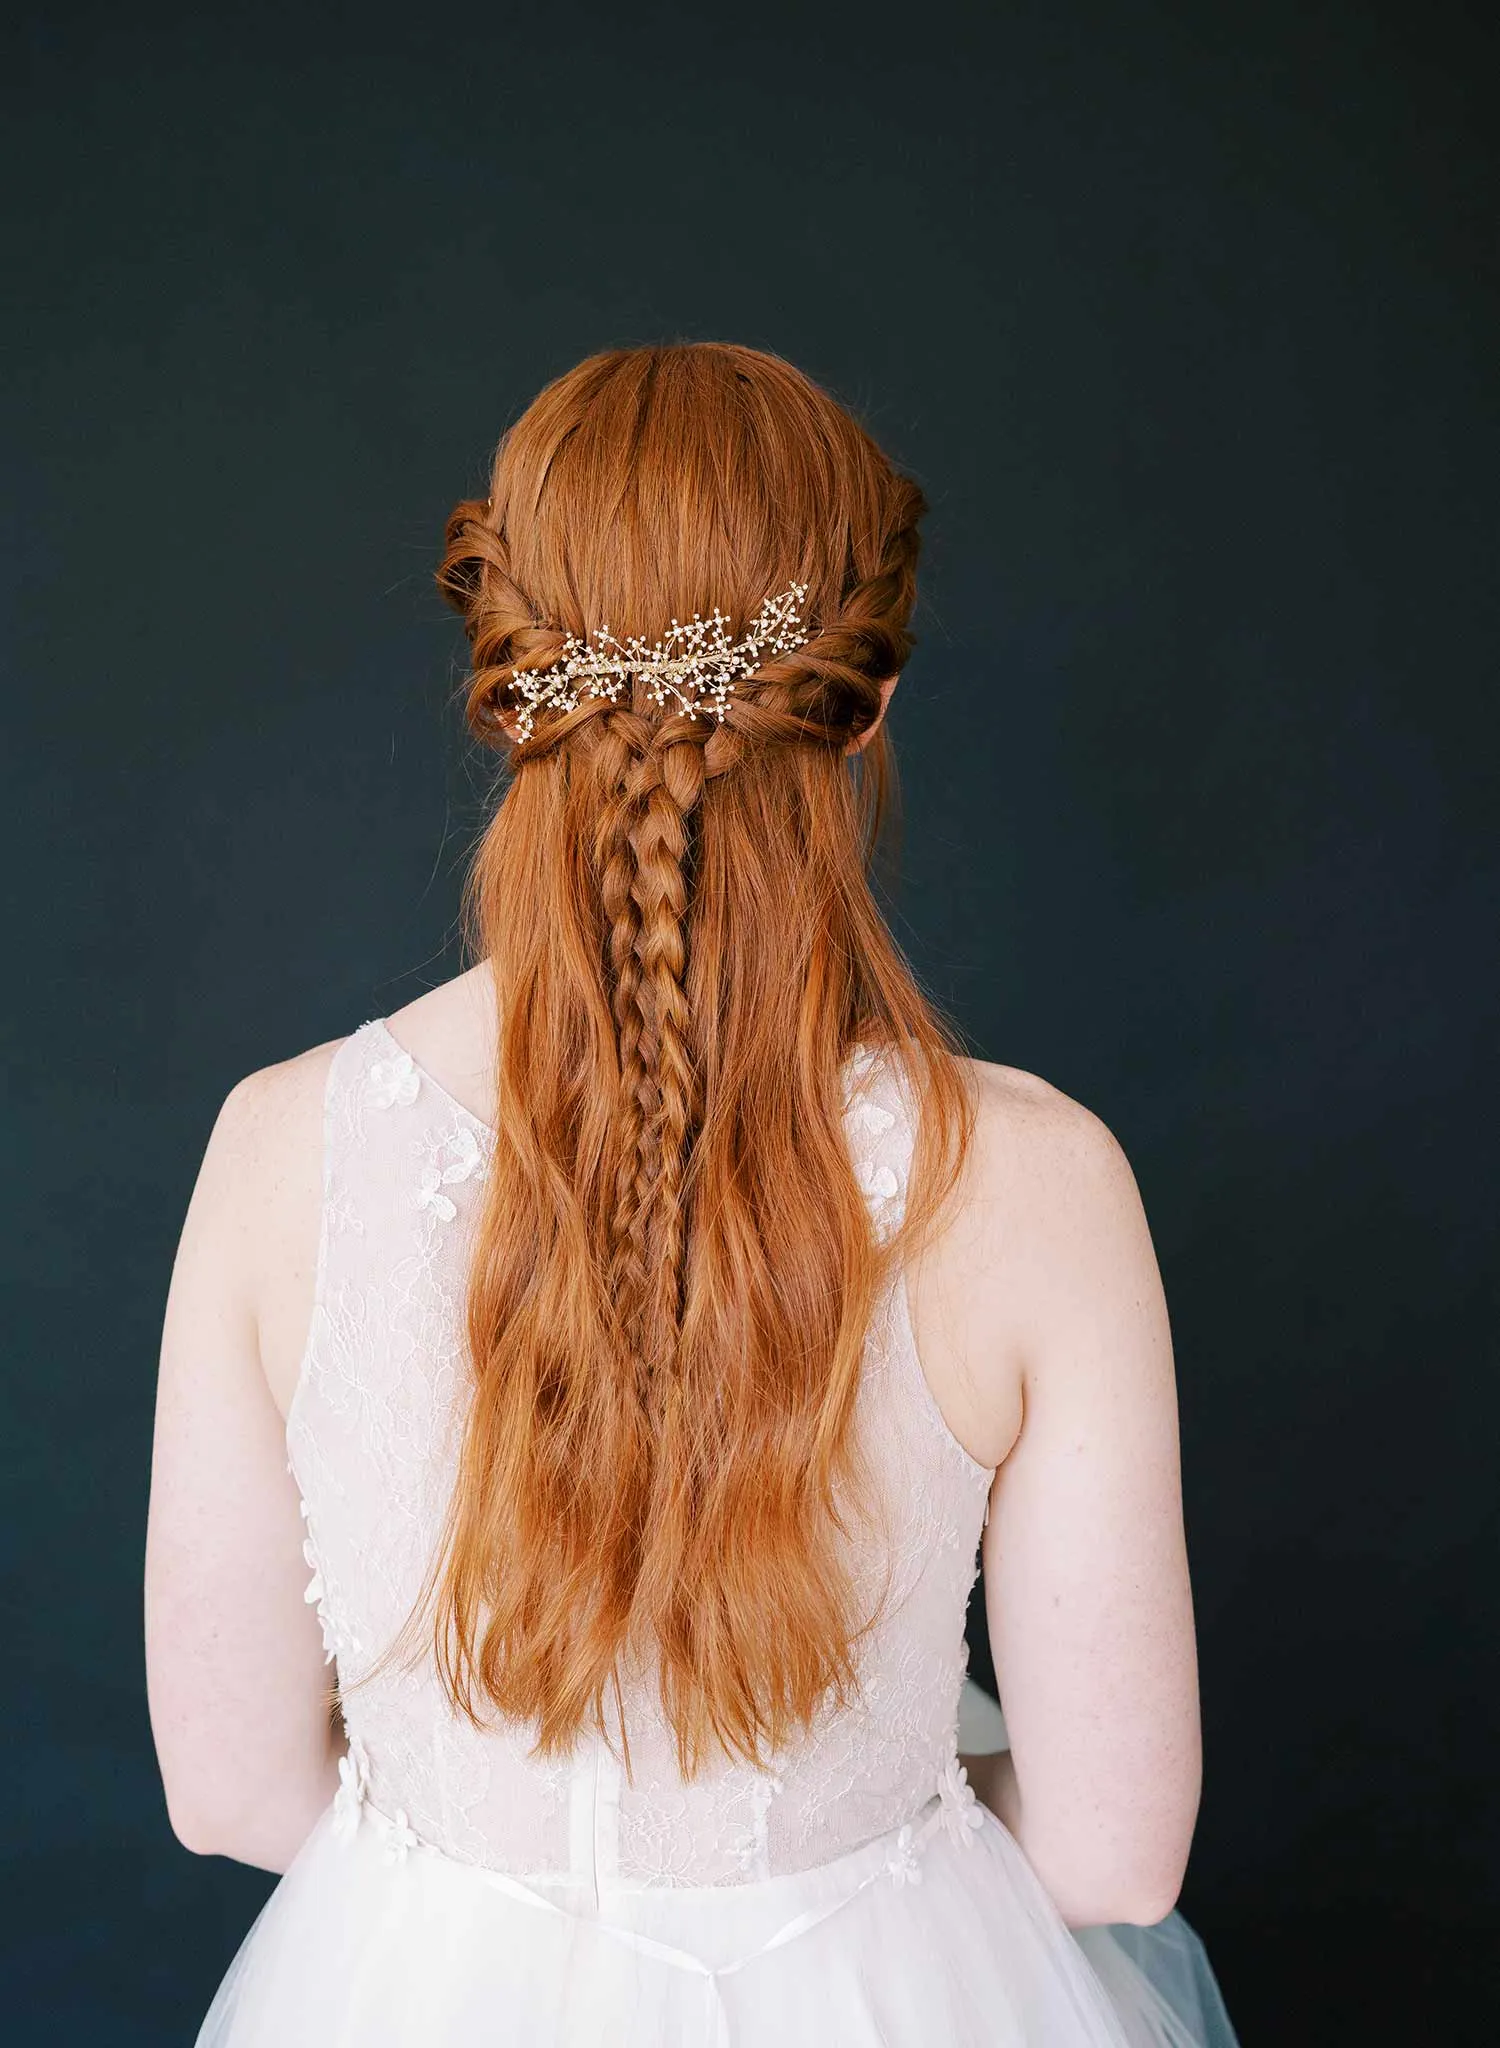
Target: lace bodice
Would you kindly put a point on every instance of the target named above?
(373, 1436)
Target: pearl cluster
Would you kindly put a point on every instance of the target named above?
(694, 663)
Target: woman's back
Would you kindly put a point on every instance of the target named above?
(373, 1434)
(359, 1188)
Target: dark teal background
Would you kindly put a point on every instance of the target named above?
(1185, 316)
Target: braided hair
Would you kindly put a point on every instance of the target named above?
(676, 1268)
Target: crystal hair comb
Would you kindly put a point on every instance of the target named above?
(694, 662)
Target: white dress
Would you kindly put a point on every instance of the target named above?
(456, 1891)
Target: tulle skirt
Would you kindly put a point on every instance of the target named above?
(914, 1940)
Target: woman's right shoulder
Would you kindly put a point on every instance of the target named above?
(272, 1118)
(254, 1218)
(259, 1184)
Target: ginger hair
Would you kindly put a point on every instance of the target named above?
(675, 1267)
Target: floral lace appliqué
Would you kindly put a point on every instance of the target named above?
(399, 1837)
(459, 1158)
(393, 1082)
(877, 1180)
(354, 1783)
(904, 1864)
(875, 1140)
(962, 1815)
(873, 1117)
(317, 1596)
(337, 1641)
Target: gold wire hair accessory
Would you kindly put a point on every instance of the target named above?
(694, 662)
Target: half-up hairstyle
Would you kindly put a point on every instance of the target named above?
(675, 1267)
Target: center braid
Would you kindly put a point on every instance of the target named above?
(659, 1077)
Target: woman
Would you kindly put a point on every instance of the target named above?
(612, 1363)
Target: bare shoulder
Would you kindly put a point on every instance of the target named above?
(254, 1217)
(1058, 1219)
(1030, 1137)
(264, 1154)
(990, 1295)
(1050, 1199)
(275, 1105)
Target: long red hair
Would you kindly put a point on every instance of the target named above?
(675, 1265)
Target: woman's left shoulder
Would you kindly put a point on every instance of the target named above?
(1030, 1122)
(1053, 1183)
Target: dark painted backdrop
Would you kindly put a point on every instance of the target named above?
(1186, 318)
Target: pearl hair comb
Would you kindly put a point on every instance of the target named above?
(694, 662)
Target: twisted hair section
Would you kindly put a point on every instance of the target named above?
(675, 1269)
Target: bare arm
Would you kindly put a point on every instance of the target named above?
(235, 1667)
(1086, 1578)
